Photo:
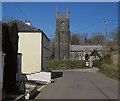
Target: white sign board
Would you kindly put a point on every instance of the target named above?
(42, 76)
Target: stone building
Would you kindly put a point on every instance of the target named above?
(33, 53)
(79, 52)
(62, 36)
(63, 48)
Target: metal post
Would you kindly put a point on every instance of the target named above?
(105, 22)
(106, 32)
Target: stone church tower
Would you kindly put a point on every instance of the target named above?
(62, 36)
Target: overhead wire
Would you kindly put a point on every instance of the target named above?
(91, 25)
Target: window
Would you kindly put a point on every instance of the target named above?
(62, 25)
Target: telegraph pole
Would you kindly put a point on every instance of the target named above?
(106, 31)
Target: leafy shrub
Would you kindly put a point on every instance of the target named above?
(98, 63)
(66, 64)
(110, 70)
(107, 68)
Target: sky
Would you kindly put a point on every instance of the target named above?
(85, 17)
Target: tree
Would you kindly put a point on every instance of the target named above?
(75, 39)
(113, 37)
(8, 19)
(52, 48)
(97, 39)
(113, 43)
(84, 38)
(119, 48)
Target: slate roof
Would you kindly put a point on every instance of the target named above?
(23, 27)
(87, 47)
(2, 23)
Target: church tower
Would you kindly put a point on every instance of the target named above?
(62, 36)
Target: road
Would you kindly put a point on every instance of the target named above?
(81, 84)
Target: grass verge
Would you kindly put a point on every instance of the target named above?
(108, 69)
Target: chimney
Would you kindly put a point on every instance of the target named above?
(27, 22)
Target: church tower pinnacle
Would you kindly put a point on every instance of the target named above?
(57, 13)
(67, 13)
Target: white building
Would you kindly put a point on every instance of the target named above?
(33, 45)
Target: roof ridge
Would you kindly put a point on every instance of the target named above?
(22, 26)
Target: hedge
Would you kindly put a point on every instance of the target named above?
(66, 64)
(108, 69)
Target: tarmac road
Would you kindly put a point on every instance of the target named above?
(77, 84)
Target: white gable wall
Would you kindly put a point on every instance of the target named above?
(30, 46)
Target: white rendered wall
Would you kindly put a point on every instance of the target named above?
(30, 47)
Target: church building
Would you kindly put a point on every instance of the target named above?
(63, 48)
(62, 36)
